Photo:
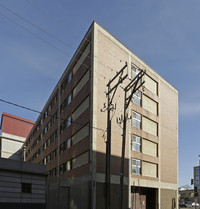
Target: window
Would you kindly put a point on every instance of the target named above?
(68, 143)
(137, 98)
(65, 124)
(136, 166)
(69, 78)
(69, 99)
(135, 71)
(66, 81)
(136, 143)
(45, 130)
(44, 115)
(26, 188)
(137, 120)
(66, 102)
(69, 121)
(67, 166)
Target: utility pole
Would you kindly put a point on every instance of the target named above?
(133, 86)
(110, 95)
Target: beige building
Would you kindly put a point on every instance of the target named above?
(69, 137)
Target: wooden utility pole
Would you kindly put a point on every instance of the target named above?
(133, 86)
(110, 95)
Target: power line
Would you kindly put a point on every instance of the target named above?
(47, 42)
(36, 26)
(53, 36)
(52, 116)
(65, 26)
(36, 111)
(19, 25)
(49, 115)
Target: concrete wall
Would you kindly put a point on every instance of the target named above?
(168, 199)
(114, 197)
(65, 193)
(159, 112)
(168, 134)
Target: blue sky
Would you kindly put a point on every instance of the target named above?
(165, 34)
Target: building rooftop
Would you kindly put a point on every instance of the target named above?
(14, 125)
(20, 166)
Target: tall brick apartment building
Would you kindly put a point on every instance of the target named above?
(69, 137)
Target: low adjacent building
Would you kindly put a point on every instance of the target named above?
(22, 185)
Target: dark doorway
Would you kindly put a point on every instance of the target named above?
(143, 198)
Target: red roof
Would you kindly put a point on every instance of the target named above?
(15, 125)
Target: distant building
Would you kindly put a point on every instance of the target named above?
(192, 194)
(70, 136)
(14, 132)
(187, 195)
(22, 185)
(197, 177)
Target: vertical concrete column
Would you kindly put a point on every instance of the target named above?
(93, 115)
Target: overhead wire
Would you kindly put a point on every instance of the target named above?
(53, 36)
(48, 115)
(53, 116)
(36, 111)
(67, 27)
(47, 42)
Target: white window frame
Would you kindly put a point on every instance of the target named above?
(137, 120)
(136, 166)
(137, 96)
(135, 70)
(136, 144)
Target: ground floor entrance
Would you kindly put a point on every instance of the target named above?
(144, 198)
